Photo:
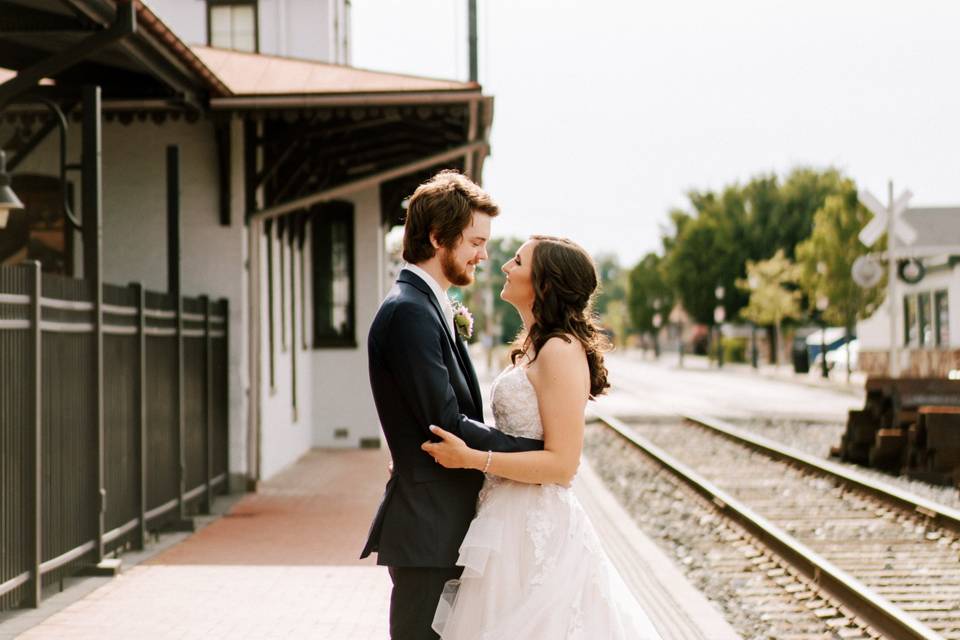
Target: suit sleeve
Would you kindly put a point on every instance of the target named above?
(414, 357)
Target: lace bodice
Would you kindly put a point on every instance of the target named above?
(515, 407)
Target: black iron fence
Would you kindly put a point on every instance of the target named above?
(113, 421)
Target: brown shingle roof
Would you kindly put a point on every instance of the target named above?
(250, 74)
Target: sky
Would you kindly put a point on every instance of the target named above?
(609, 111)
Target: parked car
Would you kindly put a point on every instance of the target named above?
(837, 358)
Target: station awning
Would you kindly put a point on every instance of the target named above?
(258, 80)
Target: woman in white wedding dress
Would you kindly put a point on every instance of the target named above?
(533, 565)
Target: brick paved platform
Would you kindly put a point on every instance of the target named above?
(281, 564)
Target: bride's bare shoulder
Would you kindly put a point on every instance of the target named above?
(561, 353)
(562, 346)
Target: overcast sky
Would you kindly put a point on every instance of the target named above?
(608, 111)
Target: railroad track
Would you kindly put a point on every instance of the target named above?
(889, 562)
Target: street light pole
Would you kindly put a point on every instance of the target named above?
(822, 303)
(719, 315)
(753, 282)
(657, 321)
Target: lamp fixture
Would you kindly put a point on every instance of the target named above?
(8, 199)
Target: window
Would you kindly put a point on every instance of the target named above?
(924, 320)
(941, 313)
(333, 275)
(909, 320)
(40, 230)
(232, 24)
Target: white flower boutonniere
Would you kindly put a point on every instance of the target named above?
(462, 320)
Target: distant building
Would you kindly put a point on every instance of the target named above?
(927, 312)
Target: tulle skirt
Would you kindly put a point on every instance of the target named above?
(533, 568)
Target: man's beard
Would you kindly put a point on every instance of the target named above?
(457, 275)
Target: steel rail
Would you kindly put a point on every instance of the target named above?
(870, 607)
(938, 514)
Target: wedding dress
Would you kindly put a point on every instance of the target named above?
(533, 567)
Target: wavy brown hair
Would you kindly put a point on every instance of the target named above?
(444, 206)
(564, 279)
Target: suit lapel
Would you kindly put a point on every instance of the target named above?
(459, 351)
(471, 376)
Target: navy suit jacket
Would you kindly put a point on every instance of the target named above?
(422, 375)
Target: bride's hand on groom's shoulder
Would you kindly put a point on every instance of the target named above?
(451, 452)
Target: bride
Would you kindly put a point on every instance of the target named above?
(533, 565)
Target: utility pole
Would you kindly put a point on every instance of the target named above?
(892, 282)
(887, 220)
(472, 44)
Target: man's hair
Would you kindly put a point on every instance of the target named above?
(443, 205)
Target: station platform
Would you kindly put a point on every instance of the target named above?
(283, 563)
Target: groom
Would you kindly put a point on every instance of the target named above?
(421, 374)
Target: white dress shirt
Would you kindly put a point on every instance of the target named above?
(441, 295)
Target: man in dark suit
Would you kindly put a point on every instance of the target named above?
(421, 374)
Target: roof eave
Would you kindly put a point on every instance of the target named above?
(318, 100)
(158, 48)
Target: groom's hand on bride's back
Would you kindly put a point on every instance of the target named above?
(450, 451)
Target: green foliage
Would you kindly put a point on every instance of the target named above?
(772, 299)
(773, 293)
(613, 283)
(711, 246)
(610, 303)
(734, 349)
(697, 264)
(803, 193)
(826, 260)
(646, 287)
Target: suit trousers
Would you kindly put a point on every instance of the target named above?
(413, 601)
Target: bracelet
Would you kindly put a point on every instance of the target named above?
(489, 458)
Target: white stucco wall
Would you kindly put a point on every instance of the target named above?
(187, 18)
(285, 434)
(874, 332)
(311, 29)
(134, 226)
(333, 388)
(341, 385)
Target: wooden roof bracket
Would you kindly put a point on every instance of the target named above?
(124, 25)
(283, 208)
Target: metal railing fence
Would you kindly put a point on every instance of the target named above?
(76, 482)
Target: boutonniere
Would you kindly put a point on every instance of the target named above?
(462, 320)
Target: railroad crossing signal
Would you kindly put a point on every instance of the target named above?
(876, 227)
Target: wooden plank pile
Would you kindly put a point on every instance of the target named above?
(907, 425)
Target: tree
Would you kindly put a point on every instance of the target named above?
(613, 283)
(648, 295)
(700, 261)
(610, 303)
(826, 260)
(711, 246)
(771, 297)
(803, 193)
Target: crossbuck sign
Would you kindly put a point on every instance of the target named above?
(880, 223)
(889, 220)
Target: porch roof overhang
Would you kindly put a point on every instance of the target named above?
(268, 78)
(330, 130)
(70, 43)
(325, 129)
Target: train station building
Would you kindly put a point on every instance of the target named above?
(247, 196)
(926, 319)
